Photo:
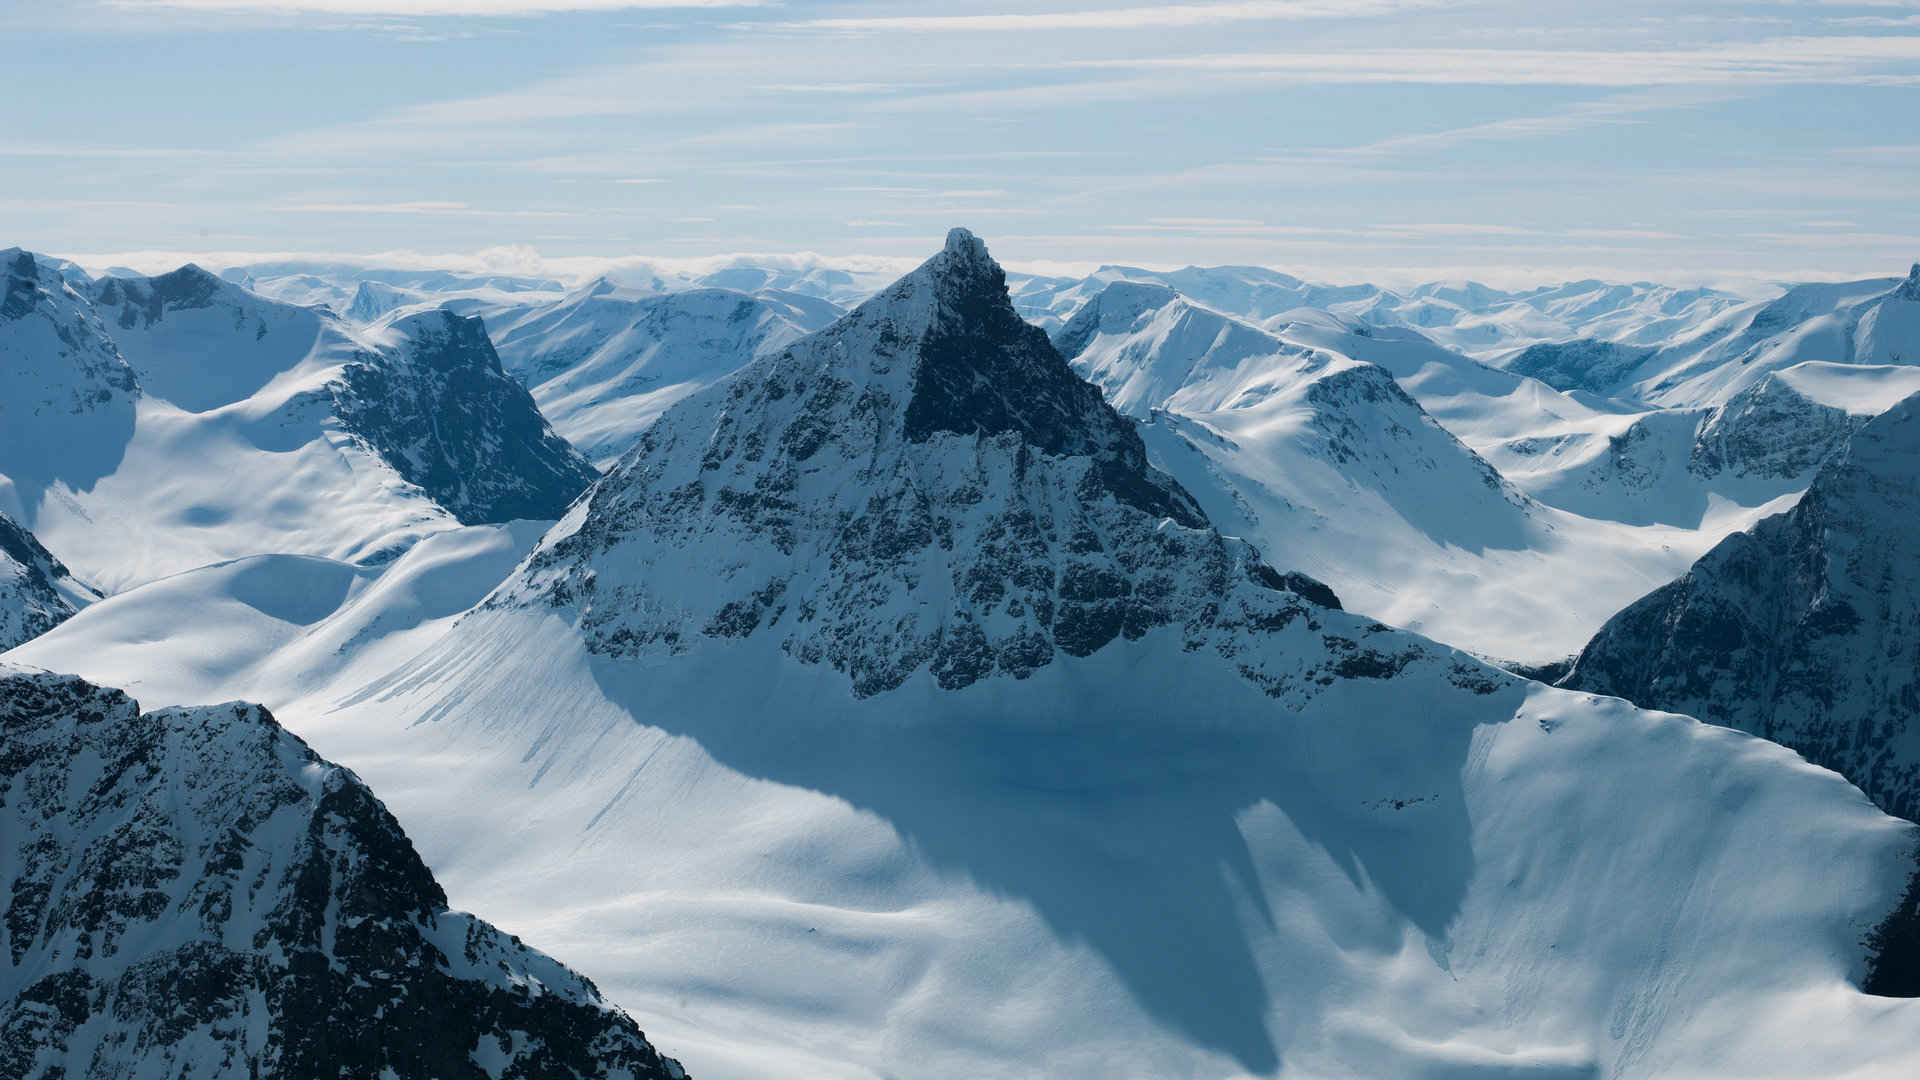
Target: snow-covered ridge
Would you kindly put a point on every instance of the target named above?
(195, 892)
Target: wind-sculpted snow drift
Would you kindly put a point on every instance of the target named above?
(885, 712)
(194, 893)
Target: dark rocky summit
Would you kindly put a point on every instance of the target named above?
(193, 892)
(923, 485)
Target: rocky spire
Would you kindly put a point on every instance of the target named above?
(924, 485)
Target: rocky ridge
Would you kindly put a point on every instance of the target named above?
(194, 892)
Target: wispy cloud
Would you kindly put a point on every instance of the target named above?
(421, 8)
(762, 134)
(1580, 116)
(1786, 60)
(1161, 16)
(439, 209)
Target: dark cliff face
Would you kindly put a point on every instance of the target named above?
(193, 892)
(439, 409)
(1805, 630)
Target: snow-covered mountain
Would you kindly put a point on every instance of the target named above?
(1867, 324)
(36, 591)
(607, 360)
(195, 892)
(214, 423)
(342, 285)
(373, 299)
(1739, 413)
(1296, 442)
(884, 711)
(1805, 629)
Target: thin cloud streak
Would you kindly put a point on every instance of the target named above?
(1135, 18)
(420, 8)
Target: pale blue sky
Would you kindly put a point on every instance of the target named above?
(1337, 139)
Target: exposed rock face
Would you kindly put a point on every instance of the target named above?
(1805, 629)
(925, 484)
(192, 892)
(36, 591)
(1597, 366)
(439, 409)
(145, 301)
(1770, 430)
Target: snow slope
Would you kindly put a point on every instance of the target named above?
(288, 624)
(885, 713)
(1801, 629)
(196, 893)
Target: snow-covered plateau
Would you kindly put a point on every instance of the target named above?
(955, 674)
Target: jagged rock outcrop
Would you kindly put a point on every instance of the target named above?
(1596, 366)
(36, 591)
(193, 892)
(437, 407)
(1804, 629)
(929, 444)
